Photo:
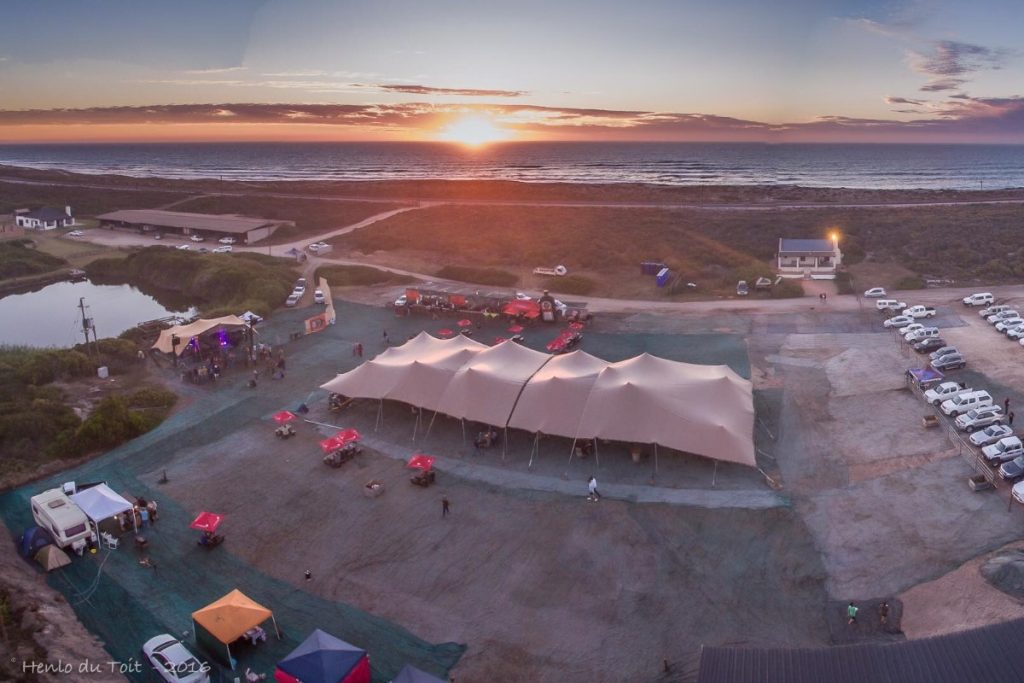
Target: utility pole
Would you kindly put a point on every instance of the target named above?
(87, 323)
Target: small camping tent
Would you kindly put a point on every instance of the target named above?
(322, 658)
(34, 538)
(51, 557)
(410, 674)
(224, 621)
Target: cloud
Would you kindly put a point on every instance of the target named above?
(222, 70)
(949, 63)
(961, 119)
(902, 100)
(942, 84)
(464, 92)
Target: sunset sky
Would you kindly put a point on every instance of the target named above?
(784, 70)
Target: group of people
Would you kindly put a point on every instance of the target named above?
(486, 438)
(144, 512)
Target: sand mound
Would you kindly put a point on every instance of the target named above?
(1005, 571)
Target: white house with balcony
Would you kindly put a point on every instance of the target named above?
(815, 259)
(44, 218)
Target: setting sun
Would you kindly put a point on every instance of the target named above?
(473, 130)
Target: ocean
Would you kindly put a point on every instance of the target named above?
(879, 166)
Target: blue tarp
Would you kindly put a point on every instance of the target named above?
(925, 375)
(321, 658)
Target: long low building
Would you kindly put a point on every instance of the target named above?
(208, 226)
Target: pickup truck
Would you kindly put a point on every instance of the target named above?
(920, 312)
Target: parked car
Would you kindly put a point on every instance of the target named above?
(292, 299)
(75, 233)
(929, 344)
(402, 300)
(992, 310)
(741, 288)
(944, 351)
(226, 249)
(875, 292)
(979, 418)
(523, 296)
(197, 238)
(158, 235)
(227, 240)
(979, 299)
(318, 297)
(1002, 315)
(1009, 323)
(943, 392)
(951, 361)
(912, 327)
(203, 250)
(920, 312)
(301, 284)
(1018, 492)
(890, 305)
(898, 321)
(173, 662)
(1016, 332)
(964, 402)
(317, 247)
(1004, 450)
(1012, 469)
(923, 333)
(991, 434)
(182, 247)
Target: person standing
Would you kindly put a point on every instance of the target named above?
(851, 613)
(592, 487)
(883, 612)
(1006, 404)
(359, 349)
(444, 506)
(1010, 418)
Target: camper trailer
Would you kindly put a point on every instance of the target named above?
(56, 513)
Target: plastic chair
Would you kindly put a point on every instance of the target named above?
(111, 541)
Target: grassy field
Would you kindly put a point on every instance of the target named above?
(359, 276)
(84, 201)
(311, 216)
(18, 259)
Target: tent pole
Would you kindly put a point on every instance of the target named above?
(463, 421)
(431, 425)
(714, 477)
(415, 424)
(655, 458)
(533, 450)
(597, 457)
(273, 619)
(231, 660)
(504, 444)
(380, 415)
(572, 451)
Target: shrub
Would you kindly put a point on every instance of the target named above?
(152, 397)
(482, 276)
(844, 282)
(111, 424)
(909, 282)
(18, 259)
(349, 276)
(787, 289)
(570, 284)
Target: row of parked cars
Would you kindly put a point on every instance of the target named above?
(922, 338)
(1003, 317)
(299, 290)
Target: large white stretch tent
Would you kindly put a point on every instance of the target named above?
(702, 409)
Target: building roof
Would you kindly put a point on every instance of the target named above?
(232, 223)
(990, 653)
(789, 246)
(46, 214)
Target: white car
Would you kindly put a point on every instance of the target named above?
(227, 240)
(1018, 492)
(991, 434)
(979, 418)
(947, 390)
(292, 299)
(182, 247)
(197, 238)
(1002, 315)
(912, 327)
(1004, 450)
(318, 297)
(173, 662)
(898, 321)
(992, 310)
(875, 292)
(920, 312)
(978, 299)
(403, 300)
(317, 246)
(223, 250)
(523, 296)
(1016, 332)
(1009, 323)
(75, 233)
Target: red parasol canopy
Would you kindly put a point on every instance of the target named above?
(528, 309)
(498, 340)
(576, 326)
(347, 436)
(419, 461)
(331, 444)
(559, 343)
(206, 521)
(465, 322)
(515, 329)
(445, 333)
(284, 416)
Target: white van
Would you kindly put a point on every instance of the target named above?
(979, 299)
(923, 333)
(993, 310)
(964, 402)
(65, 521)
(890, 305)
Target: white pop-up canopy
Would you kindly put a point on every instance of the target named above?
(100, 502)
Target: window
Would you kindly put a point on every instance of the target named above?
(75, 530)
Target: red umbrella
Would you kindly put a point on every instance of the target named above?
(331, 444)
(498, 340)
(284, 416)
(576, 326)
(515, 329)
(346, 436)
(445, 333)
(465, 322)
(419, 461)
(206, 521)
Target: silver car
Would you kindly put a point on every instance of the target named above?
(991, 434)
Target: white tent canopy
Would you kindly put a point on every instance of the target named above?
(553, 400)
(100, 502)
(185, 333)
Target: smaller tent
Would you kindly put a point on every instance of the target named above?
(34, 538)
(224, 621)
(101, 502)
(322, 658)
(185, 333)
(410, 674)
(51, 557)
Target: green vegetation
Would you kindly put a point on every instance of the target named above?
(36, 422)
(18, 259)
(844, 282)
(570, 284)
(355, 276)
(311, 216)
(84, 201)
(787, 289)
(480, 276)
(910, 282)
(218, 283)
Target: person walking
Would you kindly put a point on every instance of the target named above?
(851, 613)
(1009, 418)
(883, 612)
(445, 506)
(592, 487)
(1006, 404)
